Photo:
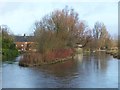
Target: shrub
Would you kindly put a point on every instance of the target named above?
(9, 53)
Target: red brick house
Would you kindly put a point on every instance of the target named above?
(24, 43)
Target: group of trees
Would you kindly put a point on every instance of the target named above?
(7, 43)
(63, 29)
(58, 31)
(100, 38)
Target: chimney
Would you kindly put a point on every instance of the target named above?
(24, 35)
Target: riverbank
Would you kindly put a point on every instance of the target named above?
(45, 63)
(38, 59)
(114, 53)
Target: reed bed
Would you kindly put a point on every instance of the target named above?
(38, 59)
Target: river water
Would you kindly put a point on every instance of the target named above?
(96, 70)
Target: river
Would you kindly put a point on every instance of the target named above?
(96, 70)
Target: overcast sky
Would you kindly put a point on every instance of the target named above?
(20, 16)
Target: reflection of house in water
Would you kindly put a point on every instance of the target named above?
(78, 57)
(78, 48)
(24, 43)
(78, 45)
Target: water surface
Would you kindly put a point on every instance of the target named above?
(96, 70)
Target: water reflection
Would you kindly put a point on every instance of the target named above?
(78, 57)
(85, 71)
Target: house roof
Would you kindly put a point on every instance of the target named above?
(23, 39)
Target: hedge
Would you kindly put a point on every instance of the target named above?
(9, 53)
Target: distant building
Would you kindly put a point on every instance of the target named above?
(24, 43)
(78, 48)
(78, 45)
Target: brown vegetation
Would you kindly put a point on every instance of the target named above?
(57, 33)
(36, 59)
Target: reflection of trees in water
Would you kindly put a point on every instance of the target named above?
(102, 60)
(97, 61)
(78, 57)
(63, 69)
(67, 68)
(82, 64)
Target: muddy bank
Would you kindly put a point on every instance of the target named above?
(114, 53)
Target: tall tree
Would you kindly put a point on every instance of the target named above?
(100, 35)
(8, 46)
(61, 29)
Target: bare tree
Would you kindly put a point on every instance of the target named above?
(101, 35)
